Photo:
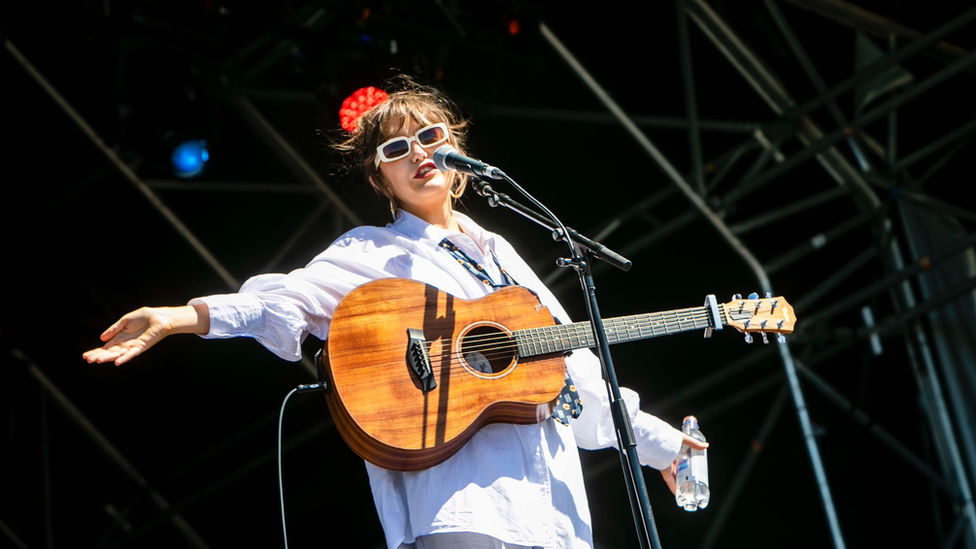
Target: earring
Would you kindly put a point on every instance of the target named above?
(393, 208)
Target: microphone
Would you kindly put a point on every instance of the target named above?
(447, 158)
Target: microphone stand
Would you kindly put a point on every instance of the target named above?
(584, 250)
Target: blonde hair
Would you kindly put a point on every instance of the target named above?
(408, 100)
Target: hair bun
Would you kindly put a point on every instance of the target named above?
(358, 103)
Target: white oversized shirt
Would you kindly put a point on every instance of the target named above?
(522, 484)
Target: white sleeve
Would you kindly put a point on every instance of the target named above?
(657, 441)
(280, 310)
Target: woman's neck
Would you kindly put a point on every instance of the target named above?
(442, 217)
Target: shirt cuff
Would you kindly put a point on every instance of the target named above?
(230, 314)
(658, 443)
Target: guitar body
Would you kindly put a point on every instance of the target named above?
(384, 410)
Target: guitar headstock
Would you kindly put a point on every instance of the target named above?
(768, 315)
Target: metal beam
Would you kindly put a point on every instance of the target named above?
(859, 18)
(691, 104)
(962, 131)
(719, 225)
(922, 199)
(666, 122)
(130, 175)
(788, 211)
(890, 60)
(110, 451)
(745, 468)
(141, 185)
(228, 187)
(818, 241)
(859, 122)
(772, 91)
(18, 543)
(739, 365)
(883, 284)
(835, 279)
(266, 130)
(863, 419)
(808, 67)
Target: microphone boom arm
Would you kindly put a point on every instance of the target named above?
(595, 248)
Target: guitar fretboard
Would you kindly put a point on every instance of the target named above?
(579, 335)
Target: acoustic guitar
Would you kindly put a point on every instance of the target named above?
(413, 372)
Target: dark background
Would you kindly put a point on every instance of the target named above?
(198, 421)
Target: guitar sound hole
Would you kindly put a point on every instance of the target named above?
(487, 350)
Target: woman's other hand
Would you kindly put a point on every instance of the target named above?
(139, 330)
(670, 473)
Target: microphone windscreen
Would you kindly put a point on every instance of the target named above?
(441, 157)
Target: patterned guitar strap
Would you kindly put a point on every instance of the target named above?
(568, 405)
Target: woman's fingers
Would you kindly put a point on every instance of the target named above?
(127, 338)
(668, 475)
(114, 329)
(129, 353)
(693, 443)
(103, 354)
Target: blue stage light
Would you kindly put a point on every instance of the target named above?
(189, 158)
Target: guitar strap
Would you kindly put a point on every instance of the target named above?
(568, 404)
(475, 268)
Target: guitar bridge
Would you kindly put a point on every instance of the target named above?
(419, 360)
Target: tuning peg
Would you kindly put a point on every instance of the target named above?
(736, 297)
(748, 337)
(769, 295)
(765, 339)
(753, 295)
(781, 338)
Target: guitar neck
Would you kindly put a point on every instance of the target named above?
(580, 335)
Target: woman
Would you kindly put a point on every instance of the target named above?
(510, 485)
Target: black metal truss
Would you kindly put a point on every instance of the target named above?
(710, 194)
(855, 181)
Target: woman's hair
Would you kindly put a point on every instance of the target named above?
(408, 100)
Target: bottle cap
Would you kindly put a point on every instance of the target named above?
(690, 419)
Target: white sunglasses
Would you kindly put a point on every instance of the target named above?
(400, 147)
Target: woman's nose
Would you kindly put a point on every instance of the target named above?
(418, 152)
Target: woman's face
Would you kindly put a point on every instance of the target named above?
(414, 180)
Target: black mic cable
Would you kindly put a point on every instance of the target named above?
(306, 388)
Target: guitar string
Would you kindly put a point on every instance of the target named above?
(493, 350)
(642, 321)
(501, 351)
(578, 332)
(582, 331)
(645, 321)
(651, 322)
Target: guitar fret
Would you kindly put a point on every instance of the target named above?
(579, 335)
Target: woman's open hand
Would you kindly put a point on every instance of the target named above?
(139, 330)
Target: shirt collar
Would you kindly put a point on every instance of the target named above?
(415, 228)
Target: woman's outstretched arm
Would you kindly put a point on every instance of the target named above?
(141, 329)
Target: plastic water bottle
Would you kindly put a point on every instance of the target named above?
(691, 476)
